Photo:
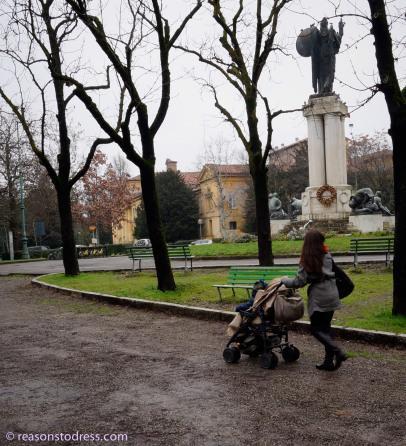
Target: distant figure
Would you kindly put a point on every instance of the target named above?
(275, 207)
(322, 45)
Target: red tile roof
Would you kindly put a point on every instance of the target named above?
(191, 178)
(230, 169)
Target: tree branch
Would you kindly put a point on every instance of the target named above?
(41, 156)
(228, 117)
(90, 88)
(89, 158)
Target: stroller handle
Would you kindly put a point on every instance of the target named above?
(278, 285)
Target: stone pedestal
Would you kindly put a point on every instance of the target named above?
(327, 157)
(278, 225)
(372, 223)
(312, 209)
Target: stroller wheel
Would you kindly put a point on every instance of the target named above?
(290, 353)
(269, 360)
(252, 351)
(231, 355)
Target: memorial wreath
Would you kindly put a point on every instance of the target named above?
(326, 195)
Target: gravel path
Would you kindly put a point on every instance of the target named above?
(69, 365)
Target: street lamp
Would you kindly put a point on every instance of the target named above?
(25, 254)
(200, 223)
(354, 155)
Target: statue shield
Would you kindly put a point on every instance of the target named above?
(305, 41)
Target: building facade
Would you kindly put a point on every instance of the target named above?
(221, 191)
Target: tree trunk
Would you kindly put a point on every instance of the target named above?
(399, 261)
(258, 172)
(70, 260)
(259, 178)
(396, 104)
(166, 281)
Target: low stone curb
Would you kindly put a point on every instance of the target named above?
(346, 333)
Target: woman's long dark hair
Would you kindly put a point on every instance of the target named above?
(313, 251)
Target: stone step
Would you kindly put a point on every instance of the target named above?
(341, 226)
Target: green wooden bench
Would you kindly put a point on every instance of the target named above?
(245, 276)
(371, 246)
(176, 252)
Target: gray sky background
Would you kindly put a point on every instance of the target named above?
(193, 123)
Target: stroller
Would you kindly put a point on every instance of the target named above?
(264, 327)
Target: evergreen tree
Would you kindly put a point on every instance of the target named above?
(179, 209)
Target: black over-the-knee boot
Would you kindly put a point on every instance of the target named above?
(332, 350)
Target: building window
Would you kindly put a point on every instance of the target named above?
(233, 225)
(232, 202)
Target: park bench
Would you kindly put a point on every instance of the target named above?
(244, 277)
(371, 246)
(175, 252)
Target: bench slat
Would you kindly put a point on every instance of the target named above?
(174, 252)
(370, 246)
(245, 276)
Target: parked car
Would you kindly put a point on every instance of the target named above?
(202, 242)
(143, 243)
(38, 251)
(38, 248)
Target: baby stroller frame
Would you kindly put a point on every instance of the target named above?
(260, 339)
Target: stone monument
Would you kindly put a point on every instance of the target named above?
(328, 194)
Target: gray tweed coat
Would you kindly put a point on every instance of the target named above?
(323, 295)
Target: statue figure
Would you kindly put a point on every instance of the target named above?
(365, 202)
(322, 45)
(275, 207)
(378, 202)
(296, 207)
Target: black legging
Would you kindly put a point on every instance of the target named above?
(320, 326)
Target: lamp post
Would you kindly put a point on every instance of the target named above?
(354, 155)
(25, 254)
(200, 223)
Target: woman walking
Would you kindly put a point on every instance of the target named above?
(316, 269)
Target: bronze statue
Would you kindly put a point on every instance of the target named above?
(322, 46)
(275, 207)
(295, 207)
(365, 202)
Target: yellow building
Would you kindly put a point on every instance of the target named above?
(222, 195)
(221, 191)
(123, 233)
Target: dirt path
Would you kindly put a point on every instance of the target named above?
(69, 365)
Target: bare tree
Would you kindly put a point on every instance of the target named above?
(146, 22)
(241, 62)
(15, 159)
(370, 164)
(396, 103)
(32, 48)
(120, 166)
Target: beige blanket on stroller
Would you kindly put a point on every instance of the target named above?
(286, 302)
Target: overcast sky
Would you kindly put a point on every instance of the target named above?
(192, 122)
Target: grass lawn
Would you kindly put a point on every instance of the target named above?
(368, 307)
(279, 247)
